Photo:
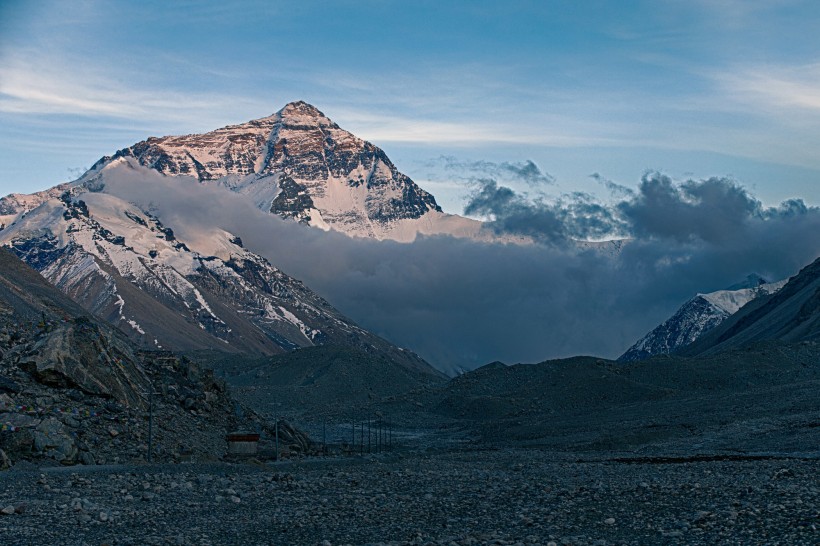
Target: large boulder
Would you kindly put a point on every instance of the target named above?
(79, 354)
(52, 440)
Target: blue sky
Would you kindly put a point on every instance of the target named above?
(692, 88)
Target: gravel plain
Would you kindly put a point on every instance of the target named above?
(507, 496)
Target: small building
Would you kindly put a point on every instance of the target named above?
(242, 444)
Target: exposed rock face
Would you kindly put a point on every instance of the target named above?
(696, 317)
(293, 201)
(296, 163)
(79, 355)
(52, 439)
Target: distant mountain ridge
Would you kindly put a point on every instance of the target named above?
(792, 314)
(698, 316)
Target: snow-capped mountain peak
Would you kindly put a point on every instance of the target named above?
(731, 301)
(300, 113)
(698, 316)
(299, 164)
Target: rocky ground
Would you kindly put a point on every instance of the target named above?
(450, 497)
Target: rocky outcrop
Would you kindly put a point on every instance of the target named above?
(51, 439)
(80, 355)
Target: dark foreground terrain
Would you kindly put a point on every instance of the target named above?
(478, 497)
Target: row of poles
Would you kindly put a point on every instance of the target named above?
(379, 435)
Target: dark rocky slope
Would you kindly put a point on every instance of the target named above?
(326, 381)
(698, 316)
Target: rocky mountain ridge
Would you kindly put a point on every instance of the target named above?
(791, 314)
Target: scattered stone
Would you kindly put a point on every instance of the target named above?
(5, 462)
(783, 473)
(476, 497)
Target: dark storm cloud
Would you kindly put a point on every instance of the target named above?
(573, 216)
(716, 210)
(587, 219)
(528, 172)
(711, 210)
(788, 208)
(462, 303)
(515, 215)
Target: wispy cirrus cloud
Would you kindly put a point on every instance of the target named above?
(33, 83)
(415, 127)
(740, 14)
(772, 87)
(522, 171)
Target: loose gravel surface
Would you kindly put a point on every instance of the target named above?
(458, 497)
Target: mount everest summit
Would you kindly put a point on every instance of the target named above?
(299, 164)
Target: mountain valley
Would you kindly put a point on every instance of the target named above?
(118, 309)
